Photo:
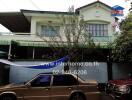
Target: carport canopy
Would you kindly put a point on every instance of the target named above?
(14, 21)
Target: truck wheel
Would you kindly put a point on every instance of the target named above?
(77, 96)
(7, 97)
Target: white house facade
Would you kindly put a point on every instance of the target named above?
(27, 24)
(28, 27)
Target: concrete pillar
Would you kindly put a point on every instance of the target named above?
(33, 26)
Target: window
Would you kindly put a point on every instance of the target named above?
(50, 31)
(41, 81)
(64, 80)
(97, 29)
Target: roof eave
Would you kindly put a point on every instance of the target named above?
(78, 9)
(47, 12)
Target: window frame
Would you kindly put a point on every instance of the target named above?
(50, 29)
(38, 77)
(64, 75)
(97, 30)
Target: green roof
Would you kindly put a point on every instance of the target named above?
(5, 42)
(38, 44)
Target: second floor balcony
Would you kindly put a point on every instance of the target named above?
(26, 39)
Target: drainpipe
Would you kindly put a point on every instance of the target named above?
(33, 52)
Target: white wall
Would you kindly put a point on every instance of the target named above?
(21, 74)
(96, 72)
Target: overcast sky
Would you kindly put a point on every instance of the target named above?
(53, 5)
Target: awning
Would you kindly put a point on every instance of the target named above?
(32, 43)
(4, 42)
(25, 43)
(42, 44)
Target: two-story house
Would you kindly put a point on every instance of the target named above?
(26, 25)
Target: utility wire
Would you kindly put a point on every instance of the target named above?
(32, 2)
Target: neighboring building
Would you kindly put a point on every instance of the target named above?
(25, 26)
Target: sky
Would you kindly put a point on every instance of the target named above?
(53, 5)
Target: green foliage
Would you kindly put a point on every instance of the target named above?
(122, 46)
(126, 24)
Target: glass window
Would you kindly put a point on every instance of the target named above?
(97, 29)
(41, 81)
(64, 80)
(50, 31)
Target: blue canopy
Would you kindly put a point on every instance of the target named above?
(51, 64)
(40, 66)
(117, 7)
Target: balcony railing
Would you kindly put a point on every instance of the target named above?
(7, 37)
(10, 33)
(103, 38)
(27, 38)
(6, 33)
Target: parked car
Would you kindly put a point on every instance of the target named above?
(54, 87)
(121, 89)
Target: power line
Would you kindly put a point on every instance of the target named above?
(34, 5)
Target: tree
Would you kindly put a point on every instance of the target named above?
(122, 46)
(73, 38)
